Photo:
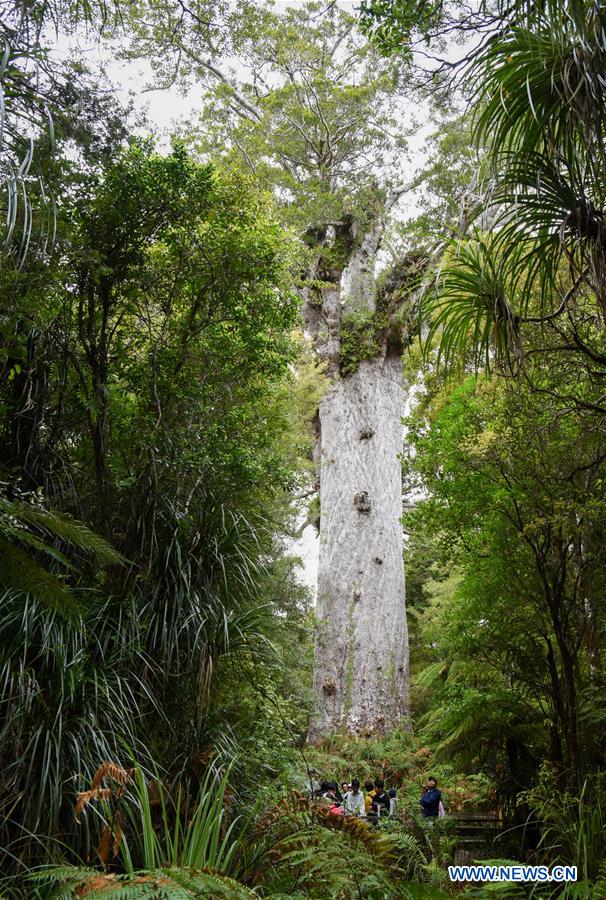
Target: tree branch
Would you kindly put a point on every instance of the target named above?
(403, 188)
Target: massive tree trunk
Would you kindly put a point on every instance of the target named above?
(361, 651)
(361, 658)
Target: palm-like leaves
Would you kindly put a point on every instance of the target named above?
(540, 104)
(541, 79)
(72, 689)
(555, 210)
(69, 694)
(471, 307)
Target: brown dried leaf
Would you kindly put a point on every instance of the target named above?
(117, 834)
(85, 797)
(92, 885)
(104, 848)
(111, 770)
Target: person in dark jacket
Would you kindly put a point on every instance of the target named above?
(380, 803)
(430, 801)
(335, 790)
(328, 791)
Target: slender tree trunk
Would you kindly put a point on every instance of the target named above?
(25, 416)
(93, 320)
(361, 652)
(558, 727)
(572, 715)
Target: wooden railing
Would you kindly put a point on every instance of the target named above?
(476, 828)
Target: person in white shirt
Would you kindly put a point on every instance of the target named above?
(353, 802)
(393, 803)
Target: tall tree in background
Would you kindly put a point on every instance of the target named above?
(311, 115)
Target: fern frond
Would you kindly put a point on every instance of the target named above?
(174, 883)
(431, 674)
(67, 874)
(63, 527)
(21, 575)
(207, 883)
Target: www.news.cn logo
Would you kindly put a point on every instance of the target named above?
(512, 873)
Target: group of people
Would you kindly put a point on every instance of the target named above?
(375, 803)
(371, 804)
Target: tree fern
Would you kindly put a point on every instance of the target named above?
(161, 884)
(62, 527)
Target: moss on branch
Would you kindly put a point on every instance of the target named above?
(365, 333)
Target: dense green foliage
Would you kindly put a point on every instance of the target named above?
(538, 99)
(156, 396)
(312, 113)
(132, 381)
(516, 629)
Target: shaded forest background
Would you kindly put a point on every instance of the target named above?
(157, 395)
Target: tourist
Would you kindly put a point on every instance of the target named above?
(430, 801)
(335, 790)
(345, 788)
(393, 803)
(369, 789)
(380, 803)
(327, 792)
(324, 789)
(353, 802)
(331, 796)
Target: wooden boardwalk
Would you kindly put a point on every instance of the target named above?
(476, 832)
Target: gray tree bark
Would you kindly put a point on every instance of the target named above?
(361, 653)
(361, 648)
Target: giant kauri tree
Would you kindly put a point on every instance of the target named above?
(309, 111)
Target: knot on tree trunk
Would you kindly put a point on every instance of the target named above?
(329, 687)
(361, 502)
